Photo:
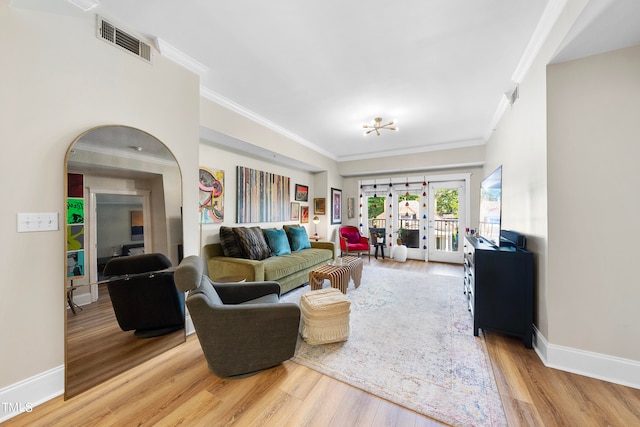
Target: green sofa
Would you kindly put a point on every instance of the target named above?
(290, 270)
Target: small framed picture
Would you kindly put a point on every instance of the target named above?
(319, 206)
(304, 214)
(351, 207)
(336, 206)
(295, 211)
(302, 193)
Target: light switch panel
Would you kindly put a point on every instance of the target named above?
(28, 222)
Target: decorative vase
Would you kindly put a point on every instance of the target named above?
(400, 253)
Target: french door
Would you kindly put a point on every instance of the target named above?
(428, 215)
(446, 217)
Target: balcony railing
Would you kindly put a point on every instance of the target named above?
(446, 233)
(445, 230)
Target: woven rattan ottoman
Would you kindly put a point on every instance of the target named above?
(325, 316)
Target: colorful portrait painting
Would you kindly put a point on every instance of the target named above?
(75, 237)
(211, 188)
(75, 211)
(75, 264)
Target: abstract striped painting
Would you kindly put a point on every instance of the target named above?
(262, 196)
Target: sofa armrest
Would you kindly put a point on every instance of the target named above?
(251, 270)
(325, 245)
(213, 249)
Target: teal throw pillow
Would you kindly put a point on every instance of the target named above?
(278, 242)
(299, 238)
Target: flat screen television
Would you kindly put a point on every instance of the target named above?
(491, 207)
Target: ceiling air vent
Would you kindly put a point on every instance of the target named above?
(114, 35)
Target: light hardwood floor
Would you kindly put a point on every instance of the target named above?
(176, 388)
(95, 345)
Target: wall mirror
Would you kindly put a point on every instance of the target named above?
(123, 197)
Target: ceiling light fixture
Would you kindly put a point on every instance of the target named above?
(376, 125)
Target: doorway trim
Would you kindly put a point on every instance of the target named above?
(92, 245)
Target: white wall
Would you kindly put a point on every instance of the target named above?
(416, 163)
(594, 200)
(114, 227)
(58, 80)
(567, 145)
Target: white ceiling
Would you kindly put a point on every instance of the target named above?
(317, 71)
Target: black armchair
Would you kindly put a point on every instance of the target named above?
(242, 328)
(144, 297)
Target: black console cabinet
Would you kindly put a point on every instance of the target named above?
(498, 282)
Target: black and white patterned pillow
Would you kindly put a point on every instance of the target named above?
(229, 242)
(252, 242)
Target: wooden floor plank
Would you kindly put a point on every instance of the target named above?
(97, 349)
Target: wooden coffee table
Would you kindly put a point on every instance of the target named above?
(338, 275)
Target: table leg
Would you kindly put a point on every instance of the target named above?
(315, 282)
(356, 273)
(70, 301)
(339, 279)
(344, 281)
(72, 305)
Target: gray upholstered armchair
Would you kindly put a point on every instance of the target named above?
(242, 327)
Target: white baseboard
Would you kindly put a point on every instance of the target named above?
(595, 365)
(25, 395)
(82, 299)
(188, 325)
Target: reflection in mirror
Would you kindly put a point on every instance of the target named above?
(124, 198)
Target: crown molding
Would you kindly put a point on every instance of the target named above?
(414, 150)
(384, 173)
(180, 57)
(237, 108)
(548, 19)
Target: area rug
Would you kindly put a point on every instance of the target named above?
(411, 343)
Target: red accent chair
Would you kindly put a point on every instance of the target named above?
(351, 241)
